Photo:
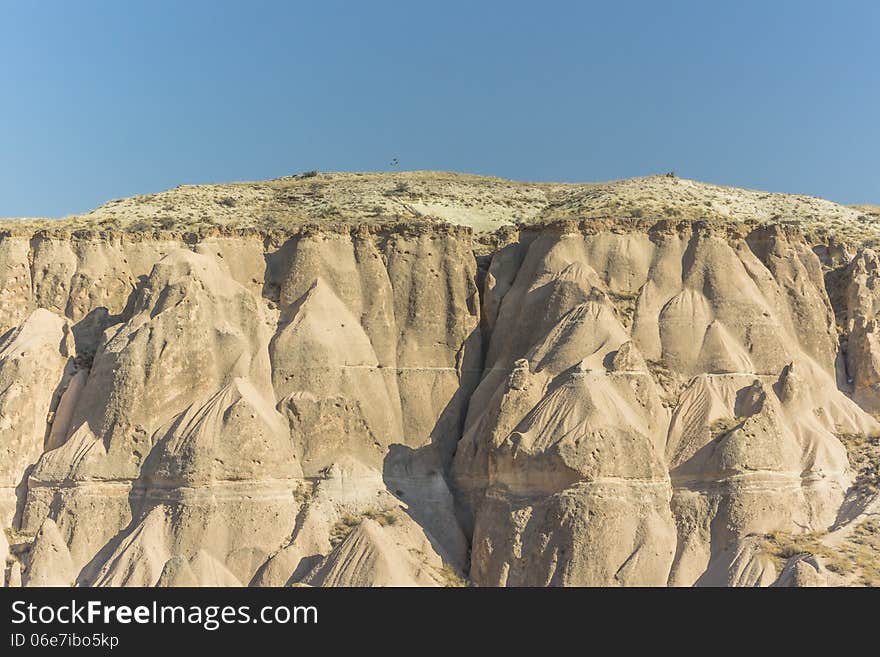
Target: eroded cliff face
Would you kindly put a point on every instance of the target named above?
(215, 411)
(666, 400)
(576, 403)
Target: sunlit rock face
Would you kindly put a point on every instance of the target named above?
(414, 403)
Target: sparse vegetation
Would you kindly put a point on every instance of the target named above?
(862, 551)
(384, 517)
(625, 305)
(85, 359)
(723, 426)
(141, 226)
(343, 527)
(864, 457)
(668, 381)
(398, 190)
(858, 556)
(450, 577)
(484, 203)
(303, 491)
(782, 546)
(349, 522)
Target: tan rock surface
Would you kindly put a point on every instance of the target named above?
(406, 379)
(36, 363)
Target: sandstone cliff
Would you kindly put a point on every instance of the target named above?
(429, 379)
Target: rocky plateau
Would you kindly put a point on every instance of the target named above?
(435, 379)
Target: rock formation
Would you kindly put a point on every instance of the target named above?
(440, 380)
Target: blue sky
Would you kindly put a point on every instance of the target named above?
(103, 99)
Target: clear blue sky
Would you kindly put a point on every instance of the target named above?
(100, 100)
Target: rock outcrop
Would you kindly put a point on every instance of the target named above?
(575, 400)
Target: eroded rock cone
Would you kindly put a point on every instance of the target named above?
(50, 563)
(35, 367)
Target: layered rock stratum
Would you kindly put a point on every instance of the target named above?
(432, 379)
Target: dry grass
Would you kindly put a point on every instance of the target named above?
(864, 457)
(303, 491)
(857, 558)
(670, 384)
(450, 578)
(483, 203)
(349, 522)
(343, 527)
(862, 552)
(782, 546)
(383, 517)
(625, 306)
